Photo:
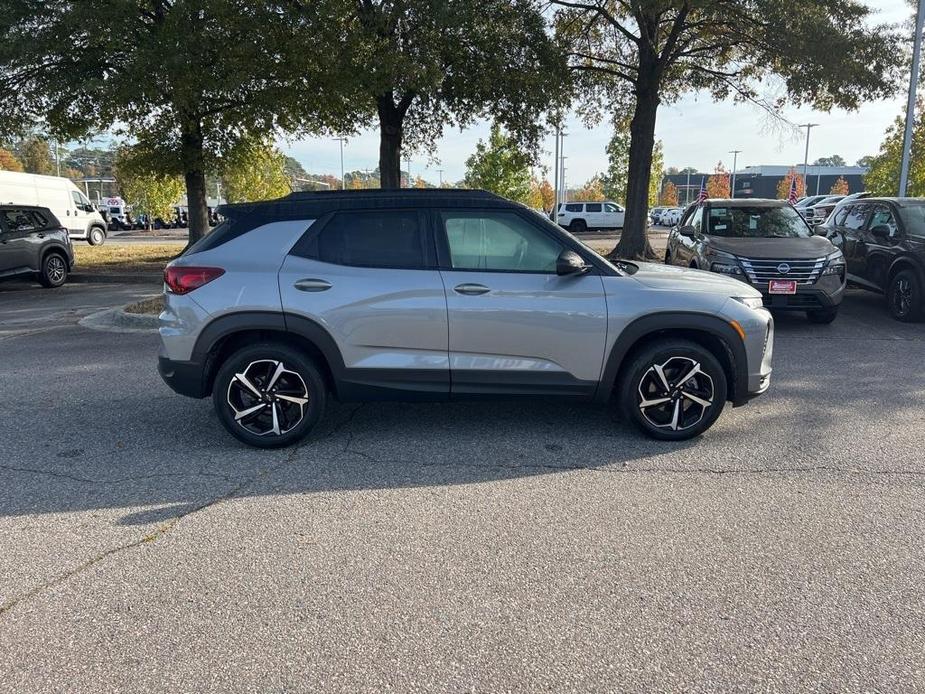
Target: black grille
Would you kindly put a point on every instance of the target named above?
(794, 301)
(762, 271)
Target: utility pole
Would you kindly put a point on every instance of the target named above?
(57, 158)
(410, 185)
(735, 159)
(808, 126)
(910, 105)
(343, 141)
(562, 158)
(440, 171)
(555, 184)
(687, 188)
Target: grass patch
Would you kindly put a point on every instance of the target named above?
(150, 306)
(128, 258)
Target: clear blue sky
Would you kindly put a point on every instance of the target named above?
(695, 132)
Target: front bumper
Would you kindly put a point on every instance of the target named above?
(826, 293)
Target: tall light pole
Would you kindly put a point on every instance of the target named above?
(808, 126)
(440, 171)
(555, 180)
(564, 197)
(910, 105)
(735, 159)
(687, 188)
(343, 141)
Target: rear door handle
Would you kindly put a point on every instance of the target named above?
(471, 289)
(312, 285)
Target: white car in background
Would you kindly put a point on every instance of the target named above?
(670, 216)
(581, 216)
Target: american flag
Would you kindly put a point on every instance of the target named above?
(792, 195)
(702, 196)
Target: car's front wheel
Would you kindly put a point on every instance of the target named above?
(269, 395)
(673, 390)
(96, 237)
(578, 226)
(904, 296)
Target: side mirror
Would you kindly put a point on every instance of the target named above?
(570, 263)
(821, 230)
(881, 231)
(687, 230)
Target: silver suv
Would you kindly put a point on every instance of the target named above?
(438, 295)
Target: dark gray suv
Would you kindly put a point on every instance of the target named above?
(33, 242)
(767, 244)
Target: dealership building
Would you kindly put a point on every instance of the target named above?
(762, 181)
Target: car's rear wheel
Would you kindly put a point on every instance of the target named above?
(673, 390)
(578, 226)
(667, 257)
(269, 395)
(96, 237)
(905, 298)
(54, 271)
(822, 315)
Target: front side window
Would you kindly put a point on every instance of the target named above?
(757, 222)
(388, 238)
(697, 220)
(571, 207)
(856, 217)
(610, 207)
(498, 241)
(595, 207)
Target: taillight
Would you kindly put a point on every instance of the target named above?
(183, 280)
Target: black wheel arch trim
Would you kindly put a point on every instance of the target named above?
(905, 262)
(652, 324)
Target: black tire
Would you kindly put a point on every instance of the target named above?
(822, 315)
(96, 236)
(54, 270)
(676, 357)
(905, 297)
(578, 226)
(231, 396)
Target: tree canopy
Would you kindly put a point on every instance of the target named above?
(634, 56)
(150, 192)
(254, 170)
(500, 166)
(883, 177)
(834, 160)
(185, 79)
(418, 66)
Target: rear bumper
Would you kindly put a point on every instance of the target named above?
(184, 377)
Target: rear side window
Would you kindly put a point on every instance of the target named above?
(388, 238)
(857, 216)
(18, 221)
(596, 207)
(574, 208)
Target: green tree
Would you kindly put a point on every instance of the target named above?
(500, 166)
(656, 173)
(633, 56)
(9, 162)
(616, 178)
(592, 190)
(36, 156)
(883, 176)
(147, 189)
(186, 79)
(420, 65)
(834, 160)
(254, 170)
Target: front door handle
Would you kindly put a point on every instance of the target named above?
(312, 285)
(471, 289)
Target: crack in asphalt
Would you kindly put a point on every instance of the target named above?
(118, 480)
(157, 534)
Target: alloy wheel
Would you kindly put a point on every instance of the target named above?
(902, 297)
(675, 394)
(55, 269)
(267, 398)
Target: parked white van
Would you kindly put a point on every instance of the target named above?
(61, 196)
(581, 216)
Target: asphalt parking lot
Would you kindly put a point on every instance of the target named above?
(528, 546)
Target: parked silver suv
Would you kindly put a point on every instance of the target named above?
(436, 295)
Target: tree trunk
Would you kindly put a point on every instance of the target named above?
(195, 176)
(634, 240)
(390, 134)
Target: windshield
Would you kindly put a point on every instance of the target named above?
(757, 222)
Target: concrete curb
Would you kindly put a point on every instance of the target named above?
(139, 278)
(116, 320)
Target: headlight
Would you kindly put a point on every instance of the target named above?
(750, 301)
(726, 269)
(835, 264)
